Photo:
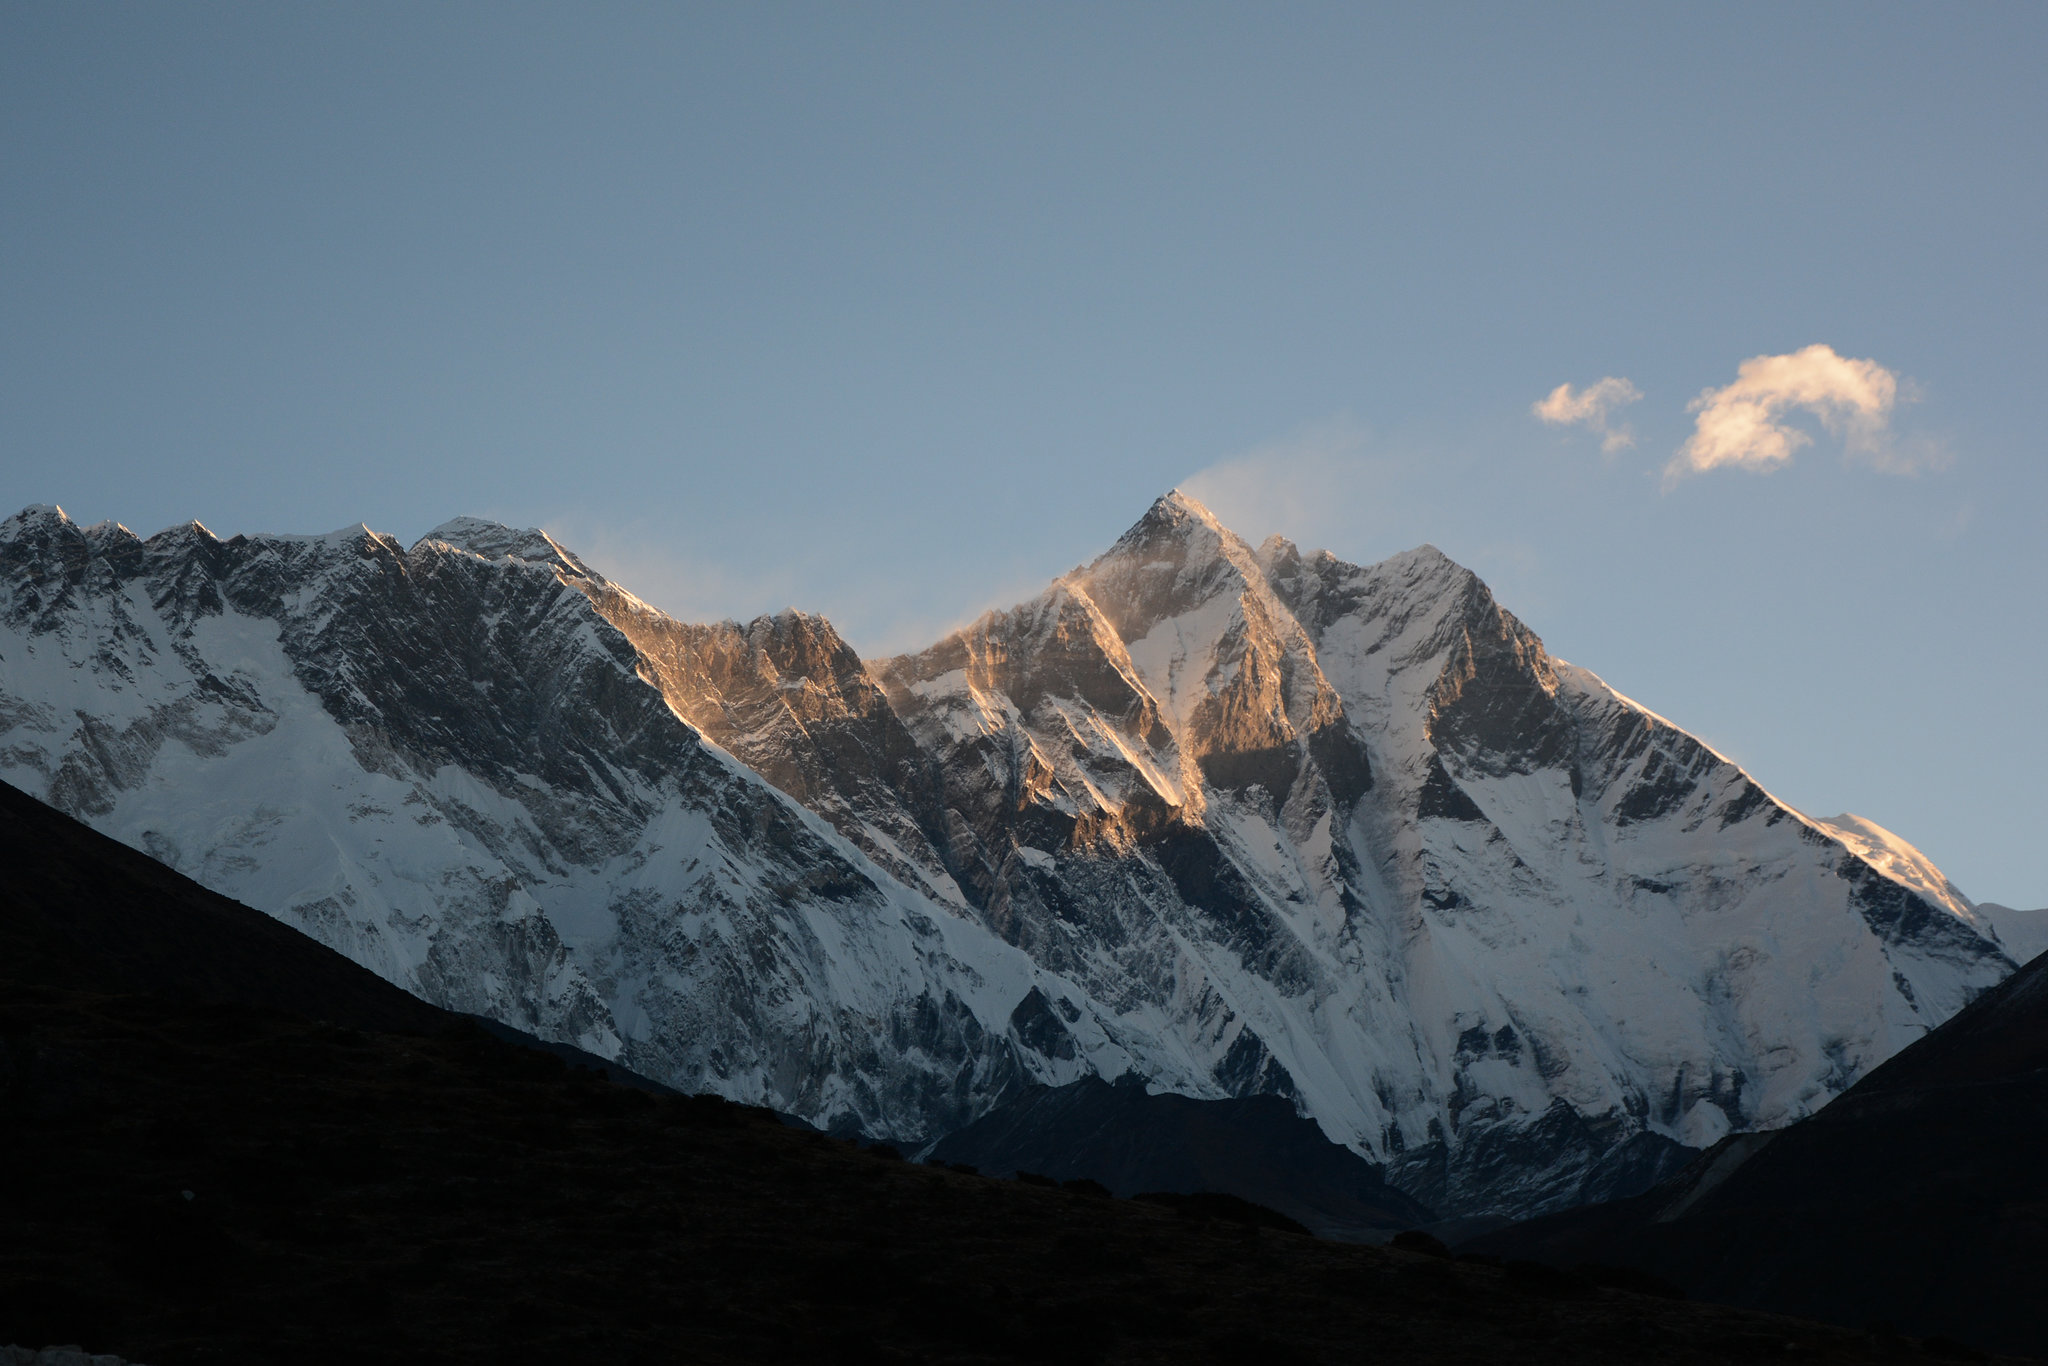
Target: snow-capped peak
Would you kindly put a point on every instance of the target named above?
(1177, 505)
(495, 540)
(36, 518)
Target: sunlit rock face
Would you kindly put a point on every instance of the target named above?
(1242, 821)
(792, 701)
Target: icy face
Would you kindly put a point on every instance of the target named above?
(1242, 821)
(2024, 934)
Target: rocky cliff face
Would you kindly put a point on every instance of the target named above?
(1244, 822)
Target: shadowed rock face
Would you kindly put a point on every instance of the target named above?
(1244, 823)
(1256, 1148)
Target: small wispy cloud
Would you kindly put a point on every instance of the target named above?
(1745, 425)
(1338, 486)
(1590, 407)
(647, 564)
(1311, 486)
(909, 631)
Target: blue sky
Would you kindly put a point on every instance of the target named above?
(895, 312)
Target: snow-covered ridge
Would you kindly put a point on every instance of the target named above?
(1897, 860)
(1240, 821)
(492, 541)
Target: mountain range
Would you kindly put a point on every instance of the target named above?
(1230, 821)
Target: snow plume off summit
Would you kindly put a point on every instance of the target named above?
(1240, 821)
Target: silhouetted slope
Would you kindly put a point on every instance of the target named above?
(1920, 1197)
(80, 910)
(1256, 1147)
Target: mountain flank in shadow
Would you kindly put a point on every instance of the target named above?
(1256, 1148)
(1919, 1198)
(86, 911)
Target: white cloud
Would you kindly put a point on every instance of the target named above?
(1744, 424)
(1590, 407)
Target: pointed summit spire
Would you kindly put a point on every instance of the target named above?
(40, 517)
(1179, 503)
(1174, 516)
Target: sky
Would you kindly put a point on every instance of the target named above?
(896, 312)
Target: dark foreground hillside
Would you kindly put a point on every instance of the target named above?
(213, 1176)
(1918, 1197)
